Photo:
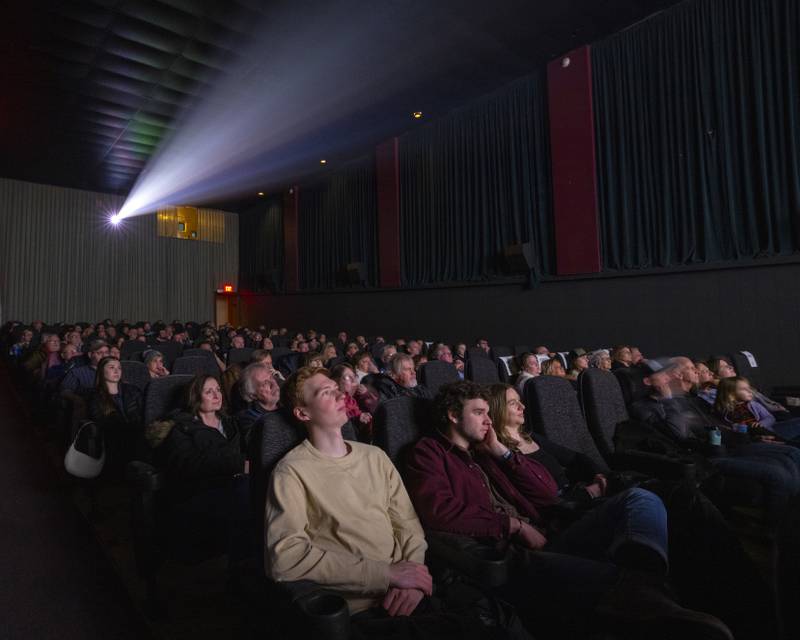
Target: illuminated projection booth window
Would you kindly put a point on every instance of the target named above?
(192, 223)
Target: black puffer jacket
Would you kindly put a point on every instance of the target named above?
(196, 457)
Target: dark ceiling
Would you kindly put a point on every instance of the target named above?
(90, 88)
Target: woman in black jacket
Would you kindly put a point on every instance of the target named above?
(116, 407)
(201, 452)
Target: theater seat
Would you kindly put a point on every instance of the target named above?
(434, 373)
(135, 373)
(165, 395)
(239, 356)
(195, 365)
(603, 407)
(481, 370)
(631, 383)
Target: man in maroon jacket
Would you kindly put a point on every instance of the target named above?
(464, 481)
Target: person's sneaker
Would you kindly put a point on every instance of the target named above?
(644, 609)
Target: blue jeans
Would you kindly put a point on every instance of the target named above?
(787, 429)
(635, 515)
(776, 467)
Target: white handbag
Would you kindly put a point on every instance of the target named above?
(87, 454)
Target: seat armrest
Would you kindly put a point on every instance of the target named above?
(655, 464)
(484, 563)
(321, 613)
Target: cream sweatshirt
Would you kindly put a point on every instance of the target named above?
(340, 522)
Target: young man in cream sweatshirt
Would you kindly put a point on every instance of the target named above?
(337, 512)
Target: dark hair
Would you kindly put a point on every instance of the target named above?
(107, 406)
(452, 397)
(339, 370)
(194, 395)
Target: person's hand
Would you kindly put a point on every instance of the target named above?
(402, 602)
(491, 445)
(365, 418)
(594, 490)
(600, 480)
(530, 536)
(459, 364)
(410, 575)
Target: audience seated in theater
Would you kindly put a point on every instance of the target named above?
(267, 344)
(636, 356)
(578, 362)
(401, 380)
(706, 382)
(374, 555)
(81, 379)
(483, 343)
(600, 359)
(69, 357)
(442, 352)
(386, 356)
(114, 351)
(329, 353)
(314, 360)
(117, 408)
(419, 360)
(529, 368)
(38, 362)
(683, 419)
(264, 357)
(578, 478)
(154, 361)
(621, 357)
(542, 350)
(260, 391)
(351, 350)
(414, 348)
(364, 365)
(208, 345)
(459, 351)
(345, 376)
(361, 341)
(553, 367)
(722, 368)
(736, 404)
(230, 384)
(463, 480)
(201, 452)
(20, 348)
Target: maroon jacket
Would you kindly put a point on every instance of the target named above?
(450, 494)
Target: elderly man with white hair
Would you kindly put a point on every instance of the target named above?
(261, 392)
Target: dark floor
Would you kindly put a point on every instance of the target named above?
(55, 580)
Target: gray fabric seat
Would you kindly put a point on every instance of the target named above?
(132, 347)
(603, 406)
(435, 373)
(481, 370)
(135, 373)
(551, 409)
(195, 365)
(164, 395)
(197, 353)
(277, 352)
(171, 352)
(240, 356)
(398, 424)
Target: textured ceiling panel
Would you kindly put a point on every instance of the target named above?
(92, 87)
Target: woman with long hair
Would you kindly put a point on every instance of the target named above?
(117, 408)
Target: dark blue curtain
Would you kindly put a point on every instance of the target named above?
(261, 246)
(475, 182)
(338, 225)
(698, 135)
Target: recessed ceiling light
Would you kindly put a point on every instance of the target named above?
(261, 194)
(323, 161)
(417, 115)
